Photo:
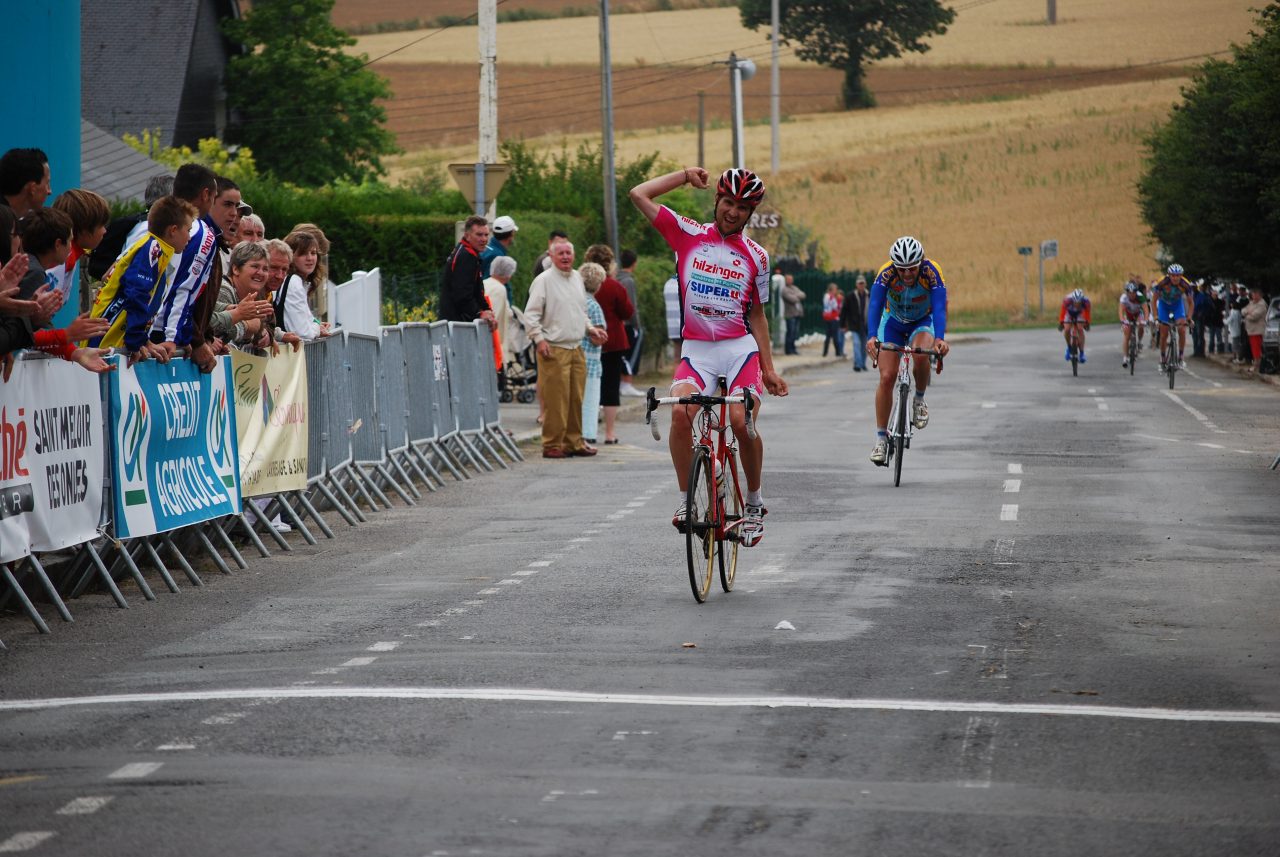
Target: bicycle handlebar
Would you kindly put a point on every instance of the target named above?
(652, 401)
(906, 349)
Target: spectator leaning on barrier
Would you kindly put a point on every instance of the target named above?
(46, 239)
(130, 297)
(279, 265)
(118, 230)
(241, 316)
(556, 320)
(90, 214)
(318, 296)
(305, 277)
(592, 276)
(24, 180)
(461, 282)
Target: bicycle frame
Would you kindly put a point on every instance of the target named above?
(901, 429)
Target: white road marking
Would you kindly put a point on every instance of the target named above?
(543, 563)
(135, 770)
(1092, 390)
(432, 623)
(1157, 437)
(359, 662)
(1012, 486)
(475, 602)
(527, 572)
(1015, 468)
(1009, 512)
(1004, 547)
(988, 405)
(188, 744)
(1174, 396)
(1212, 445)
(1206, 380)
(622, 735)
(510, 581)
(25, 841)
(84, 806)
(490, 591)
(784, 625)
(583, 539)
(1102, 406)
(636, 505)
(384, 647)
(452, 611)
(492, 694)
(977, 754)
(224, 719)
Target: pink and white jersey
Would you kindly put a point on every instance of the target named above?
(720, 278)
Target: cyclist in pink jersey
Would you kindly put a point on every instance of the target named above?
(724, 284)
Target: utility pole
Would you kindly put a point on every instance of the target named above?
(739, 70)
(775, 95)
(487, 19)
(606, 121)
(1052, 12)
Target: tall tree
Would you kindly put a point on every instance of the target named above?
(847, 34)
(308, 110)
(1211, 192)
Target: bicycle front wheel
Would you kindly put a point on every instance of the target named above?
(732, 509)
(700, 523)
(900, 429)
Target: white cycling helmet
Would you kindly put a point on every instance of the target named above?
(1077, 295)
(1130, 287)
(906, 252)
(1175, 268)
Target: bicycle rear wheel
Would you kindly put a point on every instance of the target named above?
(1170, 362)
(900, 430)
(1075, 360)
(700, 522)
(1133, 350)
(728, 547)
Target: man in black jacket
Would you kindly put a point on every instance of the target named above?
(462, 281)
(853, 318)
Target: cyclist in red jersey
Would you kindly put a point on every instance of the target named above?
(723, 285)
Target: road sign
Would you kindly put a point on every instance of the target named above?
(1049, 249)
(1025, 251)
(472, 182)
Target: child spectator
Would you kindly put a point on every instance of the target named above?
(592, 275)
(132, 293)
(89, 215)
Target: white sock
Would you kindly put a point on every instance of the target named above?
(755, 498)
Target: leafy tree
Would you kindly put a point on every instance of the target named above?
(1211, 193)
(236, 163)
(308, 110)
(846, 34)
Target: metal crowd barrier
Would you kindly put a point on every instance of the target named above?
(386, 411)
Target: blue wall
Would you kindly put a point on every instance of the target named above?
(40, 100)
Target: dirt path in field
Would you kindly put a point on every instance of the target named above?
(435, 104)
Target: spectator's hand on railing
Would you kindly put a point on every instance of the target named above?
(92, 359)
(219, 347)
(202, 355)
(7, 363)
(150, 351)
(292, 339)
(326, 329)
(85, 327)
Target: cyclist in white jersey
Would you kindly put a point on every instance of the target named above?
(724, 284)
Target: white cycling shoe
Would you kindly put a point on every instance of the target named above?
(919, 413)
(880, 453)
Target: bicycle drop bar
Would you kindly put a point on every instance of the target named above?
(907, 349)
(652, 401)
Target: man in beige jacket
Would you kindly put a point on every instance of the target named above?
(556, 320)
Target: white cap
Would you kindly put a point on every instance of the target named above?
(504, 224)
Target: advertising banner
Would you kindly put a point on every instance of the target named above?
(51, 457)
(173, 450)
(271, 418)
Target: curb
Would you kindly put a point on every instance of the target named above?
(1224, 361)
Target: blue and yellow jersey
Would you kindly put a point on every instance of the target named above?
(1168, 292)
(910, 304)
(131, 294)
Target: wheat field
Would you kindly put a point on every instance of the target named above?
(1009, 32)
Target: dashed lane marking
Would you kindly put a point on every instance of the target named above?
(1199, 416)
(1012, 486)
(25, 841)
(359, 662)
(384, 647)
(135, 770)
(1009, 512)
(84, 806)
(490, 591)
(541, 563)
(1014, 467)
(524, 695)
(186, 744)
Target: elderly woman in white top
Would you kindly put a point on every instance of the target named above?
(305, 278)
(502, 269)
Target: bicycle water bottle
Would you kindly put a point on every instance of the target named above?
(719, 479)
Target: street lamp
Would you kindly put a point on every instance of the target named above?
(739, 70)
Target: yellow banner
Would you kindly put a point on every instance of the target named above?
(271, 417)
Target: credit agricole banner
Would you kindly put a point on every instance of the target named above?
(173, 454)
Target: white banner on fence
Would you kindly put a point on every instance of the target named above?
(52, 458)
(271, 416)
(173, 450)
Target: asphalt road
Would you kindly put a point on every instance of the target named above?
(1058, 637)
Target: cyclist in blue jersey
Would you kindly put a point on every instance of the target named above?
(908, 305)
(1173, 305)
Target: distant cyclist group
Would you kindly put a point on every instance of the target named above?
(1166, 305)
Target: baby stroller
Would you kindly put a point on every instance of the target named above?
(522, 363)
